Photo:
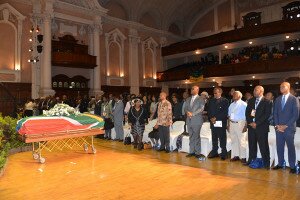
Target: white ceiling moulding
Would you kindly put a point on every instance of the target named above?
(88, 7)
(66, 17)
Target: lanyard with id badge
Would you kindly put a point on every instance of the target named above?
(253, 112)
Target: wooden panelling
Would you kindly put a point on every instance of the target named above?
(13, 95)
(115, 90)
(73, 60)
(150, 90)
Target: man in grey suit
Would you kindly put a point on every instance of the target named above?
(194, 107)
(118, 114)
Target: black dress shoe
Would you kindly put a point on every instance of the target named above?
(236, 158)
(223, 157)
(293, 171)
(190, 155)
(198, 156)
(243, 160)
(277, 167)
(213, 155)
(167, 151)
(247, 163)
(160, 149)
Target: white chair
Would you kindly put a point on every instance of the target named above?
(175, 130)
(272, 144)
(297, 144)
(148, 129)
(205, 140)
(297, 148)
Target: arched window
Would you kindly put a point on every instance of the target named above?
(11, 23)
(114, 44)
(149, 58)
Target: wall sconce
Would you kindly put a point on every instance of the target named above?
(40, 38)
(39, 48)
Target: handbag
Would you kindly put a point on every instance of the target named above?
(257, 163)
(127, 140)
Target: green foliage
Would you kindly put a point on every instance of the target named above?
(4, 154)
(8, 137)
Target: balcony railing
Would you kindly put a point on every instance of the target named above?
(263, 30)
(289, 63)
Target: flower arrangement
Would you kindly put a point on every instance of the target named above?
(61, 110)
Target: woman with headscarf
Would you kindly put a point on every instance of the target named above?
(137, 118)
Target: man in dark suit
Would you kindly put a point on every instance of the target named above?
(98, 104)
(257, 115)
(286, 113)
(217, 115)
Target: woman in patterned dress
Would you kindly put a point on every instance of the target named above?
(137, 119)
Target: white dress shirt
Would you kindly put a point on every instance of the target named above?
(237, 110)
(193, 99)
(286, 96)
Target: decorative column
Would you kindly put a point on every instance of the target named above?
(46, 88)
(216, 20)
(232, 12)
(91, 52)
(134, 62)
(163, 63)
(96, 36)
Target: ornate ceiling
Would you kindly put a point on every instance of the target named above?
(163, 13)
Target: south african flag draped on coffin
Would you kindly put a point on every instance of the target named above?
(45, 124)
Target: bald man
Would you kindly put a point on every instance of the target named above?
(286, 113)
(194, 107)
(258, 112)
(164, 121)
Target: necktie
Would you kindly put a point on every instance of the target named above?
(192, 101)
(283, 102)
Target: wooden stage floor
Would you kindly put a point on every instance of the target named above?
(121, 172)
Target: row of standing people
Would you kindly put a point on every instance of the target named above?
(256, 116)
